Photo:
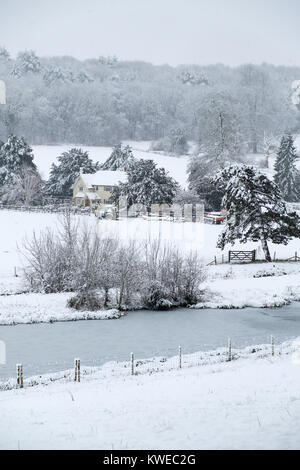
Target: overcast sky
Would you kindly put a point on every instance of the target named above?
(158, 31)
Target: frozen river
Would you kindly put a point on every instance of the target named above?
(44, 348)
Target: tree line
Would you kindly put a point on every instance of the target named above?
(146, 184)
(103, 101)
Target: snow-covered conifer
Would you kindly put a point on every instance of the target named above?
(179, 143)
(4, 54)
(120, 159)
(255, 209)
(83, 77)
(200, 174)
(54, 75)
(28, 61)
(285, 169)
(15, 154)
(63, 175)
(148, 184)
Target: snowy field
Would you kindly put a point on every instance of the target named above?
(45, 155)
(43, 308)
(250, 403)
(15, 227)
(231, 286)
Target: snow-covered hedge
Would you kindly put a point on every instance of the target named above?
(106, 273)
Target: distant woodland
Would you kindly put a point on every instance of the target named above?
(104, 100)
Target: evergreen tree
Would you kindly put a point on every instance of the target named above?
(63, 176)
(4, 54)
(15, 155)
(179, 143)
(147, 185)
(84, 77)
(255, 209)
(28, 61)
(285, 169)
(120, 159)
(54, 75)
(200, 173)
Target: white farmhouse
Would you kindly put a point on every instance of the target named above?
(95, 190)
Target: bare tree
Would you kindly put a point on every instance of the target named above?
(27, 188)
(103, 272)
(128, 274)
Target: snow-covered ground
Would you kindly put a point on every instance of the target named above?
(41, 308)
(15, 227)
(250, 403)
(232, 291)
(252, 292)
(226, 285)
(45, 155)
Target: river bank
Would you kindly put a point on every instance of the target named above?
(45, 348)
(263, 285)
(251, 403)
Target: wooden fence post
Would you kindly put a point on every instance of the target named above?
(20, 375)
(229, 351)
(132, 363)
(179, 357)
(77, 370)
(273, 345)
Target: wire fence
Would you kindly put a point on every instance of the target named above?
(224, 259)
(158, 364)
(49, 209)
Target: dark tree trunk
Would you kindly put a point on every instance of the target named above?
(266, 248)
(106, 297)
(254, 147)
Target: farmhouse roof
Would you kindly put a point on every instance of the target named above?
(104, 178)
(89, 195)
(93, 196)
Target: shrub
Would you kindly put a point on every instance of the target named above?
(129, 275)
(157, 297)
(85, 301)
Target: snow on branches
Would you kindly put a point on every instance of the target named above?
(63, 175)
(285, 169)
(255, 209)
(147, 185)
(120, 159)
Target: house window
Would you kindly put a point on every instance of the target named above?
(107, 188)
(81, 188)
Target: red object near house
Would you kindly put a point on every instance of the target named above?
(214, 218)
